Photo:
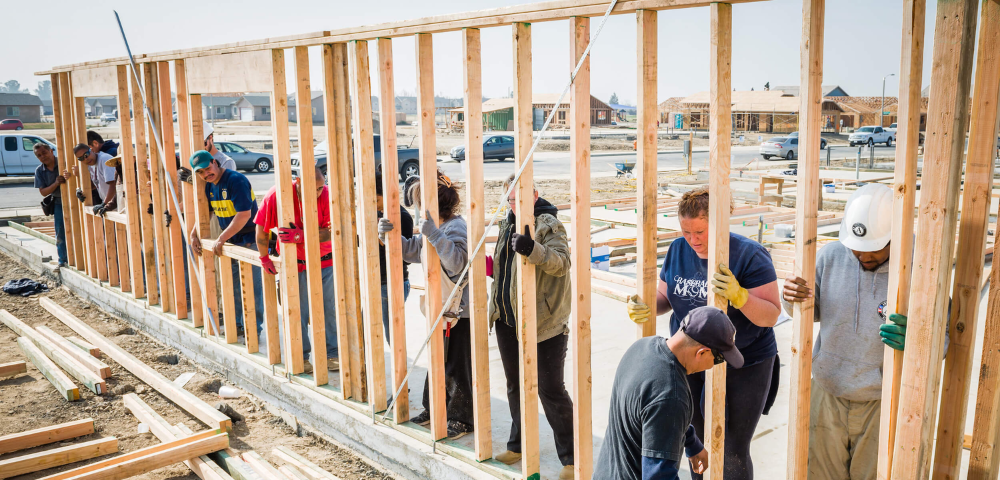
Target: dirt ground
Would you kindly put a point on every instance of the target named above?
(28, 401)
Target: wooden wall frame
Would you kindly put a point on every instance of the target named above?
(233, 72)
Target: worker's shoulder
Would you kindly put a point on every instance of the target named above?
(831, 251)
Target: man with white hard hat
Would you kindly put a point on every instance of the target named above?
(852, 283)
(224, 160)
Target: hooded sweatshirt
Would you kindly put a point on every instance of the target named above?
(451, 242)
(850, 306)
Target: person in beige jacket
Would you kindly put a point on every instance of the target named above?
(549, 252)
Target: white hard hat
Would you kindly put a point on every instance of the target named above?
(867, 223)
(207, 129)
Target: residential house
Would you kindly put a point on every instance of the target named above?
(254, 107)
(46, 106)
(101, 105)
(214, 107)
(318, 117)
(21, 106)
(770, 111)
(623, 112)
(498, 113)
(828, 90)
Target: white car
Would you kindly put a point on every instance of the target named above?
(871, 135)
(784, 147)
(108, 118)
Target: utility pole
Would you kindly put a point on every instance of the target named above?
(881, 111)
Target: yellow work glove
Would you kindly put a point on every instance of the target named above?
(724, 283)
(637, 311)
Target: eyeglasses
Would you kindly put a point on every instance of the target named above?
(719, 358)
(84, 156)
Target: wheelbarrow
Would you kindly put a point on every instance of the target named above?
(624, 169)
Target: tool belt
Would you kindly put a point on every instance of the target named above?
(324, 258)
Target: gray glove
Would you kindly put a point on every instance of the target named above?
(80, 196)
(428, 227)
(384, 226)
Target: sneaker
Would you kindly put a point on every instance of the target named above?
(566, 473)
(458, 429)
(424, 419)
(509, 457)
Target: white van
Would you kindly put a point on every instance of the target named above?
(17, 156)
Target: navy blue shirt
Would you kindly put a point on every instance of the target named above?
(688, 288)
(233, 194)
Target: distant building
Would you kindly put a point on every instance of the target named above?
(498, 113)
(771, 111)
(46, 106)
(254, 107)
(622, 112)
(828, 90)
(101, 105)
(219, 107)
(21, 106)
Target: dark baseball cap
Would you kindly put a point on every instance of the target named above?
(712, 328)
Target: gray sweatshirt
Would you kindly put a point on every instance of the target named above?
(452, 244)
(850, 306)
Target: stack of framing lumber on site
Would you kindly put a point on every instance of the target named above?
(53, 457)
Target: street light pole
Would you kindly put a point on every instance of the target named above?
(881, 112)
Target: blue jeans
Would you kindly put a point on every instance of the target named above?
(329, 313)
(385, 307)
(258, 288)
(60, 232)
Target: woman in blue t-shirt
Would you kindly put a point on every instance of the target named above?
(750, 284)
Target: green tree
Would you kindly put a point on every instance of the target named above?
(13, 86)
(614, 99)
(44, 90)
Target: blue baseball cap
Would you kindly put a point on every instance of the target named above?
(201, 159)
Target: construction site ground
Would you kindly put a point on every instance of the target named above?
(28, 401)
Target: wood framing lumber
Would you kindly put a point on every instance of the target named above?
(580, 264)
(74, 234)
(228, 296)
(527, 325)
(174, 231)
(310, 222)
(55, 457)
(472, 74)
(181, 397)
(34, 232)
(202, 466)
(46, 435)
(807, 206)
(90, 349)
(248, 295)
(288, 272)
(261, 466)
(364, 170)
(973, 226)
(10, 369)
(149, 458)
(393, 239)
(241, 470)
(94, 365)
(235, 72)
(143, 197)
(292, 473)
(309, 468)
(429, 201)
(133, 230)
(111, 237)
(947, 121)
(199, 216)
(151, 193)
(73, 367)
(334, 121)
(66, 191)
(185, 189)
(56, 377)
(124, 278)
(646, 162)
(719, 198)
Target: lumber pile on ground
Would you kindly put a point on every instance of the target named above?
(34, 462)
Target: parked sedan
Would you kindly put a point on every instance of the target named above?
(11, 124)
(784, 147)
(500, 147)
(245, 159)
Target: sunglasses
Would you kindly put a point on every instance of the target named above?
(719, 359)
(84, 156)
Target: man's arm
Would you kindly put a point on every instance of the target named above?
(263, 240)
(112, 191)
(239, 221)
(551, 251)
(45, 191)
(659, 469)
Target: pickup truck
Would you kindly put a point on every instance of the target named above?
(871, 135)
(17, 153)
(408, 158)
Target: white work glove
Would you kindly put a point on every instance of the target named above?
(428, 227)
(384, 226)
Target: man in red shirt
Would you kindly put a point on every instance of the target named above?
(267, 220)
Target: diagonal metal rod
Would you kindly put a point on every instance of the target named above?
(496, 212)
(170, 183)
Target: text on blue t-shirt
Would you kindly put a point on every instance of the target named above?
(686, 276)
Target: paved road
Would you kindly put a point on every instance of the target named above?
(547, 165)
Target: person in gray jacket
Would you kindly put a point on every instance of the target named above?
(450, 241)
(851, 292)
(549, 252)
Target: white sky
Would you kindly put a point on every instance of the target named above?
(862, 41)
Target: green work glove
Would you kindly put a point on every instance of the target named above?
(894, 334)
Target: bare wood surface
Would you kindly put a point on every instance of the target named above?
(200, 218)
(142, 179)
(158, 242)
(647, 120)
(719, 198)
(364, 168)
(174, 231)
(94, 365)
(94, 82)
(947, 121)
(228, 295)
(55, 457)
(45, 435)
(184, 132)
(235, 72)
(66, 191)
(49, 370)
(65, 361)
(248, 295)
(10, 369)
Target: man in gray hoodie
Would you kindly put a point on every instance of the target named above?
(852, 282)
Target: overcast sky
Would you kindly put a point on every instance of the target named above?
(862, 41)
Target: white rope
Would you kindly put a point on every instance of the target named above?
(502, 202)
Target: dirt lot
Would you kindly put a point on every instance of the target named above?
(28, 401)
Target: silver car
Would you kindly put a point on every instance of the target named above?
(245, 159)
(784, 147)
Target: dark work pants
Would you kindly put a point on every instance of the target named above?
(556, 402)
(457, 374)
(746, 392)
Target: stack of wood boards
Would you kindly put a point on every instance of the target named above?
(53, 457)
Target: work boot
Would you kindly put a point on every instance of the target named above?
(509, 457)
(566, 473)
(333, 365)
(307, 367)
(458, 429)
(424, 419)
